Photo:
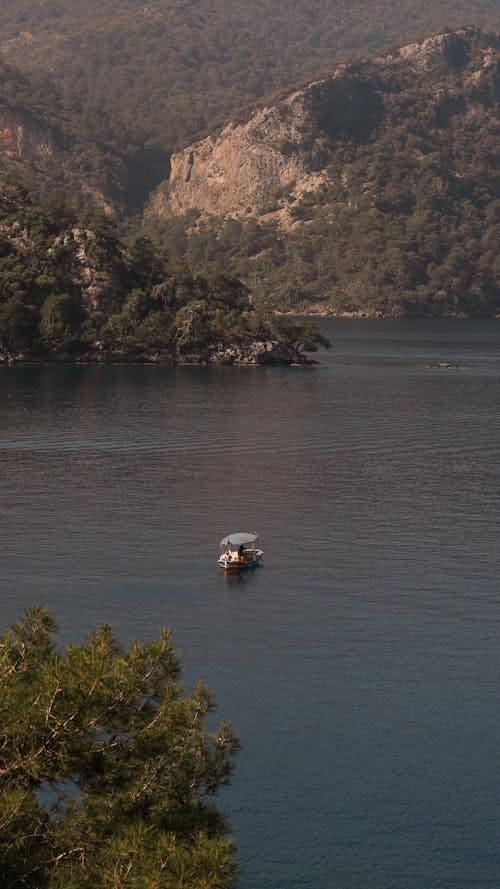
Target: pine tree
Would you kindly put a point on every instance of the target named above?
(107, 766)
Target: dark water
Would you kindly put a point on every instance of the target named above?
(360, 665)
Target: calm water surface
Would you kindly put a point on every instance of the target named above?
(360, 665)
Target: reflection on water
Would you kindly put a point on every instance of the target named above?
(359, 664)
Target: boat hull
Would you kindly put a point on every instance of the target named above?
(237, 566)
(244, 564)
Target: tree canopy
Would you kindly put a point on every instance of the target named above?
(405, 217)
(107, 767)
(71, 289)
(158, 75)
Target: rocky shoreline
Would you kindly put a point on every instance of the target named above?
(315, 312)
(260, 353)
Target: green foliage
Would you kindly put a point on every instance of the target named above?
(70, 289)
(116, 87)
(406, 218)
(61, 319)
(148, 79)
(18, 325)
(302, 336)
(107, 767)
(47, 146)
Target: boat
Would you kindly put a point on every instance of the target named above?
(240, 551)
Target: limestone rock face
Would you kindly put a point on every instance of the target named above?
(22, 139)
(93, 269)
(237, 168)
(439, 54)
(241, 169)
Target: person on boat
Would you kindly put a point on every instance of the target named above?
(240, 553)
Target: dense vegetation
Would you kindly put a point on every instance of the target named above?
(118, 86)
(107, 767)
(406, 219)
(71, 290)
(150, 77)
(73, 158)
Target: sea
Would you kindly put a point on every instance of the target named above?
(360, 664)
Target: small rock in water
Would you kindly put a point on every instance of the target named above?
(445, 365)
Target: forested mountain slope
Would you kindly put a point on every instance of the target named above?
(152, 76)
(44, 146)
(374, 190)
(388, 206)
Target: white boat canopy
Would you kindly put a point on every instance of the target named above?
(239, 538)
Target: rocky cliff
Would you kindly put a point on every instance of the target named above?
(373, 190)
(164, 73)
(288, 144)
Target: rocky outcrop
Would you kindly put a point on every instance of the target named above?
(22, 139)
(439, 54)
(235, 171)
(242, 169)
(253, 352)
(93, 267)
